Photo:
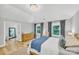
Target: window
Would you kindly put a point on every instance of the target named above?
(38, 30)
(55, 28)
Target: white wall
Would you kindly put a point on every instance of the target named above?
(68, 25)
(20, 28)
(75, 25)
(15, 25)
(45, 27)
(27, 28)
(72, 24)
(2, 42)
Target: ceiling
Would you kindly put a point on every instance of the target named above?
(47, 12)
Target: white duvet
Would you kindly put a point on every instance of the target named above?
(50, 46)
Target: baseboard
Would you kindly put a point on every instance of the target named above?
(3, 45)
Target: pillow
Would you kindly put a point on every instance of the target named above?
(73, 49)
(62, 42)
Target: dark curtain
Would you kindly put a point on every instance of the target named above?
(34, 30)
(41, 29)
(62, 23)
(49, 28)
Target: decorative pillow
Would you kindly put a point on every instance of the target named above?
(62, 42)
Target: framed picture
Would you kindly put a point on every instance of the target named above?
(12, 32)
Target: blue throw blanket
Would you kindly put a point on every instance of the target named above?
(36, 44)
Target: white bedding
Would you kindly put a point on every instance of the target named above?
(50, 47)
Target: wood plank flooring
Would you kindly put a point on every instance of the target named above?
(14, 48)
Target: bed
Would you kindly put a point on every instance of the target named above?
(49, 46)
(44, 46)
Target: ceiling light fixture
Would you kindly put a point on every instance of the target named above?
(34, 7)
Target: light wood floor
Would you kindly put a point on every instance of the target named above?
(14, 48)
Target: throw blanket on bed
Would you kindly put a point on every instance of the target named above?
(36, 44)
